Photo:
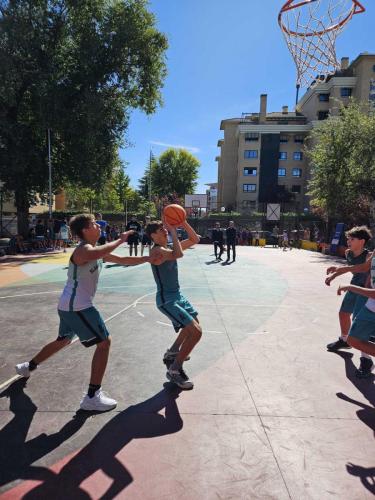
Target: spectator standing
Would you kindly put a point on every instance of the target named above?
(250, 237)
(231, 235)
(64, 234)
(56, 232)
(40, 233)
(257, 238)
(275, 236)
(217, 238)
(133, 239)
(103, 233)
(244, 236)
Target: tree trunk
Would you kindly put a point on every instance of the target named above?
(22, 205)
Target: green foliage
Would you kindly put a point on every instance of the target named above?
(77, 68)
(175, 171)
(343, 159)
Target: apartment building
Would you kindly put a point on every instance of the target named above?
(261, 156)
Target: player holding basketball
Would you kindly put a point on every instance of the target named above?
(169, 299)
(77, 314)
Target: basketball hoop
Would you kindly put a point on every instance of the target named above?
(310, 29)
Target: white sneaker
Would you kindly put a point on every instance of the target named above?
(100, 402)
(23, 369)
(177, 378)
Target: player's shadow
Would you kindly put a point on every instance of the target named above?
(17, 454)
(365, 386)
(365, 413)
(366, 475)
(139, 421)
(210, 262)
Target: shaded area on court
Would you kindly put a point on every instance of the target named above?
(17, 454)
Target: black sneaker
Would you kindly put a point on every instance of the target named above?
(183, 374)
(170, 356)
(365, 368)
(175, 377)
(338, 344)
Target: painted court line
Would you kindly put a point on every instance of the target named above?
(29, 294)
(133, 304)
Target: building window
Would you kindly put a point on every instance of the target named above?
(324, 97)
(281, 172)
(283, 155)
(345, 91)
(250, 171)
(297, 172)
(251, 136)
(249, 188)
(296, 189)
(299, 138)
(284, 138)
(250, 153)
(298, 155)
(323, 115)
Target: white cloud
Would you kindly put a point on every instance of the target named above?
(193, 149)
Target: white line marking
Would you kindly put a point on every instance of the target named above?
(29, 294)
(133, 304)
(230, 305)
(164, 324)
(256, 333)
(141, 314)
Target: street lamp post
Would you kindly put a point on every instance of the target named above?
(1, 208)
(49, 175)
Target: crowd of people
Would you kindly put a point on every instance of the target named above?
(54, 235)
(226, 239)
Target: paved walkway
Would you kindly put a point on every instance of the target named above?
(272, 415)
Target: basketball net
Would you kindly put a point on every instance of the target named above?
(310, 29)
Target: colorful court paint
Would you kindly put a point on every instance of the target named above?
(272, 414)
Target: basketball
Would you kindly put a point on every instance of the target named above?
(174, 214)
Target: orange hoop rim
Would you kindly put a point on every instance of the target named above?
(357, 8)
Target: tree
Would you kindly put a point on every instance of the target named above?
(342, 155)
(175, 171)
(77, 68)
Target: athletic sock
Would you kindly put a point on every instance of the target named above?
(92, 390)
(32, 365)
(365, 355)
(344, 337)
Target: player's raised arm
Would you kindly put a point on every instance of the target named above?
(130, 261)
(176, 252)
(193, 237)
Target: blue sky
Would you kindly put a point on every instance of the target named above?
(222, 55)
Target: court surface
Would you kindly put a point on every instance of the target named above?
(272, 414)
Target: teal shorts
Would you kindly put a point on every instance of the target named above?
(352, 303)
(363, 326)
(180, 312)
(87, 324)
